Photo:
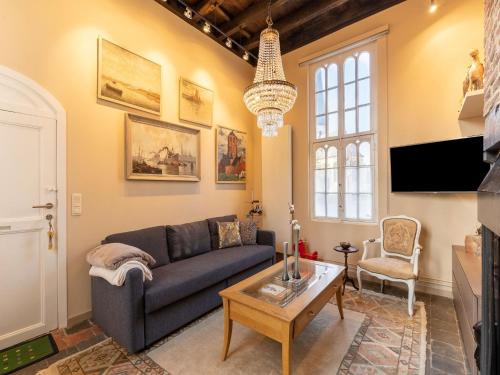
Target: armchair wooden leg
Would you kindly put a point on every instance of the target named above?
(360, 285)
(411, 297)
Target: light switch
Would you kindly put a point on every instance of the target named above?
(76, 204)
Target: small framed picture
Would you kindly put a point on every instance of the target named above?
(196, 103)
(231, 149)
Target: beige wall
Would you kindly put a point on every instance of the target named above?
(277, 185)
(55, 44)
(425, 59)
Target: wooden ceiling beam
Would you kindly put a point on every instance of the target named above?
(253, 12)
(332, 21)
(178, 9)
(298, 18)
(245, 33)
(207, 7)
(240, 30)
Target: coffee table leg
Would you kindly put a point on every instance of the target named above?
(339, 301)
(286, 350)
(228, 329)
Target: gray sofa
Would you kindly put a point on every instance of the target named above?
(189, 272)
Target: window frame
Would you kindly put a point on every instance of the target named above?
(341, 140)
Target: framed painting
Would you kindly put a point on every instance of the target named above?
(157, 150)
(196, 103)
(231, 149)
(128, 79)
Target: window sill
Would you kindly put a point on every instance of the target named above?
(346, 222)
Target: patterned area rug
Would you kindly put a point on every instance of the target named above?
(319, 349)
(108, 358)
(389, 341)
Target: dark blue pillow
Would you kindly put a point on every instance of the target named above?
(151, 240)
(188, 240)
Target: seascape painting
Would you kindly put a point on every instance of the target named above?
(128, 79)
(195, 103)
(231, 156)
(156, 150)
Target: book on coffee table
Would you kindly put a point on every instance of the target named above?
(272, 290)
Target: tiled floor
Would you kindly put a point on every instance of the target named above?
(69, 341)
(444, 345)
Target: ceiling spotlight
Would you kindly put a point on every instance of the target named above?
(246, 56)
(188, 13)
(206, 28)
(229, 43)
(433, 7)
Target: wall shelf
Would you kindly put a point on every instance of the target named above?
(472, 105)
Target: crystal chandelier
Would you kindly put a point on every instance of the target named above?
(270, 96)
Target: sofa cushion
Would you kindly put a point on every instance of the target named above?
(229, 234)
(248, 232)
(178, 280)
(188, 240)
(151, 240)
(214, 230)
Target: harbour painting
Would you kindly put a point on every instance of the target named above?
(231, 156)
(195, 103)
(128, 79)
(157, 150)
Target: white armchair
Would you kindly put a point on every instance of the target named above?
(399, 253)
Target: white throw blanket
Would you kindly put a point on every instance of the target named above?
(117, 277)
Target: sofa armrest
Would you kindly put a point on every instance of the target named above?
(119, 310)
(266, 237)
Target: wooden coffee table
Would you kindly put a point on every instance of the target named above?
(281, 320)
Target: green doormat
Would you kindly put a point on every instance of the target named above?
(27, 353)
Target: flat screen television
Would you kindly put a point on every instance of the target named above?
(447, 166)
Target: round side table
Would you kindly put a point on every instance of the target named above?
(346, 253)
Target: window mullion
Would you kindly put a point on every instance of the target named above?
(341, 158)
(341, 107)
(358, 198)
(327, 125)
(341, 180)
(325, 181)
(356, 90)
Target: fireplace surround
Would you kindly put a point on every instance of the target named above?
(489, 198)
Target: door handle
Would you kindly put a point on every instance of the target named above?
(48, 206)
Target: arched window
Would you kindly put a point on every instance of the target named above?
(343, 137)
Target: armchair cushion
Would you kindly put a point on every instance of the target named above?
(399, 235)
(395, 268)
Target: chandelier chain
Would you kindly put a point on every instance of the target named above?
(269, 19)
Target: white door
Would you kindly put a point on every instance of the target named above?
(28, 269)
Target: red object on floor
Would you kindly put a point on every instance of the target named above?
(304, 253)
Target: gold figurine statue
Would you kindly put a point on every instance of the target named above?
(475, 74)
